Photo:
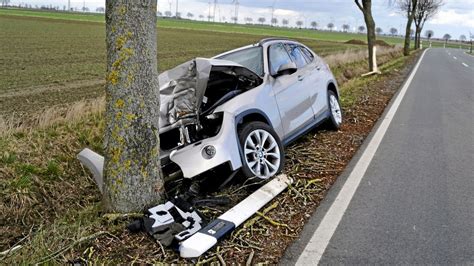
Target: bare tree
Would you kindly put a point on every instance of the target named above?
(446, 38)
(462, 38)
(190, 15)
(168, 13)
(429, 34)
(261, 20)
(201, 17)
(393, 31)
(366, 7)
(5, 3)
(133, 178)
(330, 26)
(408, 8)
(361, 29)
(346, 27)
(425, 10)
(234, 19)
(248, 20)
(299, 23)
(314, 24)
(274, 21)
(99, 9)
(285, 22)
(378, 30)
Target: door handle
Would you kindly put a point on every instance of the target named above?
(300, 78)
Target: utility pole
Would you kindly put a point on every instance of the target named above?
(236, 2)
(84, 6)
(214, 11)
(273, 11)
(209, 13)
(68, 5)
(169, 2)
(176, 15)
(471, 36)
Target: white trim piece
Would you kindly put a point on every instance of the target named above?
(464, 64)
(207, 237)
(315, 248)
(95, 163)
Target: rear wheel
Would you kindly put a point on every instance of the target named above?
(262, 151)
(335, 116)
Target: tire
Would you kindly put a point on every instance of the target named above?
(257, 162)
(335, 111)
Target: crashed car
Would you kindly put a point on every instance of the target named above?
(240, 108)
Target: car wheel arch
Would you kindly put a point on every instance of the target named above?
(251, 115)
(332, 87)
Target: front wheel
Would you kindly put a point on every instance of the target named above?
(262, 151)
(335, 111)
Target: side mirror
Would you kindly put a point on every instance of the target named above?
(287, 69)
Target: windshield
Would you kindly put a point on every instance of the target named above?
(251, 58)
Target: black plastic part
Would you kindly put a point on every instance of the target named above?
(135, 226)
(218, 228)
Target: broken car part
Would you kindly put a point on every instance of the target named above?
(207, 237)
(169, 223)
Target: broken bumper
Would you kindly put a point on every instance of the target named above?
(192, 158)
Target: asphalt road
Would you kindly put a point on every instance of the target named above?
(415, 202)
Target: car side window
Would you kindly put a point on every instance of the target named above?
(296, 55)
(278, 56)
(309, 56)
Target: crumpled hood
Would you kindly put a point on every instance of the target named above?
(182, 90)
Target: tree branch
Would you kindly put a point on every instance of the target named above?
(359, 5)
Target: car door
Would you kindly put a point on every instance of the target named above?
(293, 99)
(316, 81)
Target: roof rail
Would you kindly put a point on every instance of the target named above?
(262, 41)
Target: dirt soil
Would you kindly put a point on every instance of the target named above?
(377, 42)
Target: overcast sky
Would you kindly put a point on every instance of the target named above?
(456, 17)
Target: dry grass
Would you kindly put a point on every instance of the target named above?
(52, 116)
(351, 56)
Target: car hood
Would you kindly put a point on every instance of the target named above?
(182, 89)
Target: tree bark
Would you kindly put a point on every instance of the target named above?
(417, 38)
(411, 16)
(133, 178)
(366, 8)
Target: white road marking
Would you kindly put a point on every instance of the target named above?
(464, 64)
(316, 246)
(455, 58)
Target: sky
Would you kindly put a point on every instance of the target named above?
(455, 17)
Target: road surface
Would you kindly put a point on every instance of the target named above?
(413, 202)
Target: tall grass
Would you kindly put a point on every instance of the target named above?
(52, 115)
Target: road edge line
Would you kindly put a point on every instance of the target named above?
(318, 243)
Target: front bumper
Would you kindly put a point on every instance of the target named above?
(191, 160)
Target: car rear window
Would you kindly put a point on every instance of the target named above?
(309, 56)
(251, 58)
(296, 55)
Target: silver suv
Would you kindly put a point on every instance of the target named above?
(242, 107)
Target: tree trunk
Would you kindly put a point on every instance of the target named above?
(411, 16)
(371, 37)
(133, 179)
(418, 38)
